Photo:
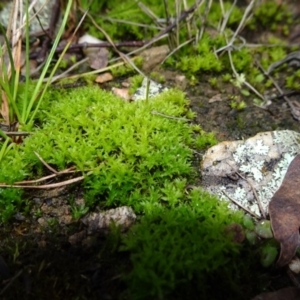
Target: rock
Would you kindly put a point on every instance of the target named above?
(122, 216)
(77, 238)
(153, 57)
(44, 14)
(237, 168)
(150, 87)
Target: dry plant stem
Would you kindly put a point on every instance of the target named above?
(255, 195)
(45, 186)
(161, 35)
(226, 15)
(295, 111)
(188, 20)
(122, 55)
(178, 13)
(167, 12)
(169, 117)
(65, 73)
(75, 47)
(149, 13)
(204, 19)
(241, 25)
(11, 281)
(176, 49)
(183, 16)
(45, 164)
(66, 171)
(16, 133)
(247, 84)
(241, 206)
(113, 20)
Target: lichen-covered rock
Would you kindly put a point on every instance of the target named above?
(123, 216)
(44, 9)
(237, 168)
(151, 87)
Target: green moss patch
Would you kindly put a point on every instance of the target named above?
(129, 155)
(184, 253)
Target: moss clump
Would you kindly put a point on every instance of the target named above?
(133, 157)
(272, 16)
(184, 253)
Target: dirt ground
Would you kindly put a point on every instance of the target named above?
(62, 258)
(46, 265)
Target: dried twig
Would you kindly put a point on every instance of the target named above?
(246, 83)
(241, 206)
(44, 186)
(295, 111)
(230, 44)
(27, 182)
(255, 195)
(169, 117)
(45, 164)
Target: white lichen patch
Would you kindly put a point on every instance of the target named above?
(235, 169)
(41, 7)
(149, 87)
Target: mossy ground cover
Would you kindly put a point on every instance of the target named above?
(130, 156)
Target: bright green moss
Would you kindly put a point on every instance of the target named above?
(135, 83)
(184, 251)
(270, 15)
(133, 156)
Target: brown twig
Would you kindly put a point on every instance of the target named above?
(67, 171)
(45, 164)
(294, 110)
(76, 47)
(255, 195)
(166, 30)
(44, 186)
(241, 206)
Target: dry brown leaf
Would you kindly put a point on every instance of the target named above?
(104, 77)
(290, 293)
(215, 98)
(122, 93)
(99, 59)
(5, 109)
(284, 209)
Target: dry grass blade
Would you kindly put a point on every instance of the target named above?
(44, 186)
(45, 164)
(122, 55)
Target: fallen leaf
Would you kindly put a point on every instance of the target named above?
(290, 293)
(284, 209)
(98, 57)
(122, 93)
(104, 77)
(215, 98)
